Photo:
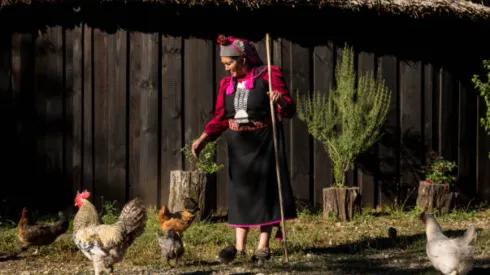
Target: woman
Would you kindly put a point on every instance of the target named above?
(243, 108)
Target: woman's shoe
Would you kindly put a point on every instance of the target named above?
(261, 254)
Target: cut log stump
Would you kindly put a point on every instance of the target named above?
(188, 184)
(434, 197)
(342, 203)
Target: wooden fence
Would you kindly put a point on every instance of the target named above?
(110, 112)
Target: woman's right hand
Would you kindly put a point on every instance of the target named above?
(198, 145)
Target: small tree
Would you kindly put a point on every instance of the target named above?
(484, 88)
(348, 120)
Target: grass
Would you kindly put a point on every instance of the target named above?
(316, 245)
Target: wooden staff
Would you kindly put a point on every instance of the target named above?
(274, 134)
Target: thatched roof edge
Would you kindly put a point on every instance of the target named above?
(413, 8)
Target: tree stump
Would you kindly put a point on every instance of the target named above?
(188, 184)
(434, 196)
(343, 203)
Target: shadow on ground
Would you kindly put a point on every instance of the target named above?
(382, 255)
(379, 243)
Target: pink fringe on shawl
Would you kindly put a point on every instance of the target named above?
(249, 82)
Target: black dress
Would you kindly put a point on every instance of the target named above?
(253, 198)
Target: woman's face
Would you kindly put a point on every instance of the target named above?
(236, 67)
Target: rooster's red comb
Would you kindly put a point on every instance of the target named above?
(84, 194)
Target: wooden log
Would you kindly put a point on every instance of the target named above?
(434, 197)
(188, 184)
(343, 203)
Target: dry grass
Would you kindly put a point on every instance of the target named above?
(415, 8)
(316, 245)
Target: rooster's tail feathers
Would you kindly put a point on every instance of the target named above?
(133, 216)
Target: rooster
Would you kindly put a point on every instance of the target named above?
(87, 214)
(178, 221)
(106, 244)
(450, 256)
(39, 235)
(171, 246)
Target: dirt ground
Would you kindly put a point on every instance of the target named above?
(316, 246)
(391, 261)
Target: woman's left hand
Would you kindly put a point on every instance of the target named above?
(277, 98)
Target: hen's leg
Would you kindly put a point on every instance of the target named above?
(98, 266)
(97, 270)
(36, 251)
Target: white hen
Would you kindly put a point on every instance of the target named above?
(451, 256)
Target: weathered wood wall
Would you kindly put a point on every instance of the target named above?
(84, 109)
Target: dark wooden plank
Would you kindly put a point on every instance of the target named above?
(75, 72)
(5, 60)
(262, 50)
(389, 147)
(323, 77)
(24, 158)
(299, 85)
(55, 114)
(427, 130)
(199, 91)
(43, 52)
(171, 121)
(78, 107)
(144, 116)
(49, 102)
(8, 139)
(117, 116)
(436, 95)
(366, 170)
(284, 50)
(149, 127)
(466, 147)
(6, 96)
(100, 112)
(88, 154)
(276, 52)
(448, 115)
(134, 115)
(410, 121)
(222, 149)
(71, 59)
(16, 63)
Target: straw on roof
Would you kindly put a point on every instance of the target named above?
(472, 10)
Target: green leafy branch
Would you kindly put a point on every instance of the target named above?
(484, 88)
(205, 162)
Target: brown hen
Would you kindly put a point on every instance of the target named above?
(178, 221)
(40, 234)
